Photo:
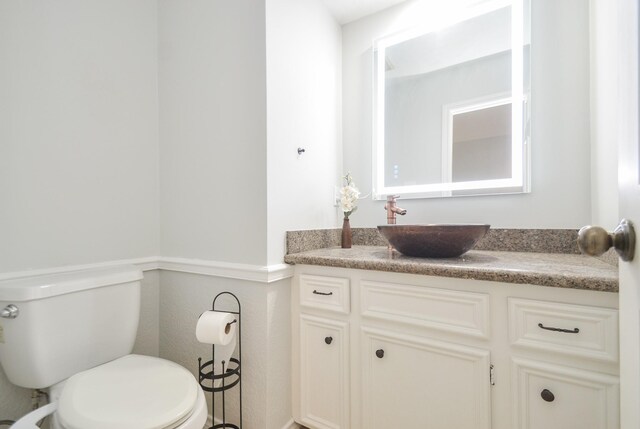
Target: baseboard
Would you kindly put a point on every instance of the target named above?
(289, 425)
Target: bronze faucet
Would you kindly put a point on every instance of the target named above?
(392, 209)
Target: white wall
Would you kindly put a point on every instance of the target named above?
(148, 337)
(303, 110)
(78, 142)
(14, 401)
(561, 192)
(265, 340)
(78, 132)
(278, 327)
(104, 103)
(233, 110)
(213, 143)
(604, 106)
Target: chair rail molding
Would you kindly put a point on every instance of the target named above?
(232, 270)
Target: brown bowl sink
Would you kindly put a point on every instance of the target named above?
(433, 241)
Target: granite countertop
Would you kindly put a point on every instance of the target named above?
(545, 269)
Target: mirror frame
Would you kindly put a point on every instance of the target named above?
(519, 182)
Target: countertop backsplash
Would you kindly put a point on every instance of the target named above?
(498, 239)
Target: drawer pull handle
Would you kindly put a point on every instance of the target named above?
(328, 340)
(380, 353)
(547, 395)
(566, 331)
(322, 293)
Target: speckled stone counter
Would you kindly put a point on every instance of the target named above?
(510, 240)
(545, 269)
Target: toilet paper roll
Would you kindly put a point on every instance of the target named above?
(223, 354)
(216, 327)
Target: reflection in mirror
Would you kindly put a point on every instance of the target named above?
(451, 114)
(480, 142)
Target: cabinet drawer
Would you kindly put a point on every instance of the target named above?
(577, 330)
(556, 397)
(460, 312)
(325, 293)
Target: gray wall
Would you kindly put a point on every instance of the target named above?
(105, 104)
(213, 143)
(78, 132)
(78, 143)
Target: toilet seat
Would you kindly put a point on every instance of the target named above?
(132, 392)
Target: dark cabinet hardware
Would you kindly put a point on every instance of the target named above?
(380, 353)
(567, 331)
(322, 293)
(547, 395)
(328, 340)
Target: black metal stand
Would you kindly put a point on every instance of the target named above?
(229, 376)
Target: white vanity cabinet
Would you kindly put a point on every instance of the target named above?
(321, 352)
(549, 395)
(324, 386)
(374, 350)
(413, 382)
(410, 377)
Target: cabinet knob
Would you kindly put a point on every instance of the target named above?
(328, 340)
(380, 353)
(547, 395)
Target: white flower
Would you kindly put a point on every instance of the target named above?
(349, 196)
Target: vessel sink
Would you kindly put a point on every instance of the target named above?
(433, 241)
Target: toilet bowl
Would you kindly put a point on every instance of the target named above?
(72, 333)
(132, 392)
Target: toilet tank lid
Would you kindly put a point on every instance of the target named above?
(28, 288)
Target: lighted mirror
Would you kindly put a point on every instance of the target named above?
(452, 105)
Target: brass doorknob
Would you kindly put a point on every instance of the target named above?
(594, 240)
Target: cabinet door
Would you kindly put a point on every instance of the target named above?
(324, 376)
(411, 382)
(549, 396)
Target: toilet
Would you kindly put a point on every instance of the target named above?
(72, 334)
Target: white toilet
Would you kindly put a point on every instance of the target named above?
(72, 333)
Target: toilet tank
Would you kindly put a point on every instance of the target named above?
(67, 323)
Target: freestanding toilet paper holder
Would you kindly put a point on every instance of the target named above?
(230, 375)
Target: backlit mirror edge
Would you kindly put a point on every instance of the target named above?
(520, 181)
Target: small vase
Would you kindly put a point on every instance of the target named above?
(346, 234)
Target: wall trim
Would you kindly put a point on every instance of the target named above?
(254, 273)
(145, 264)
